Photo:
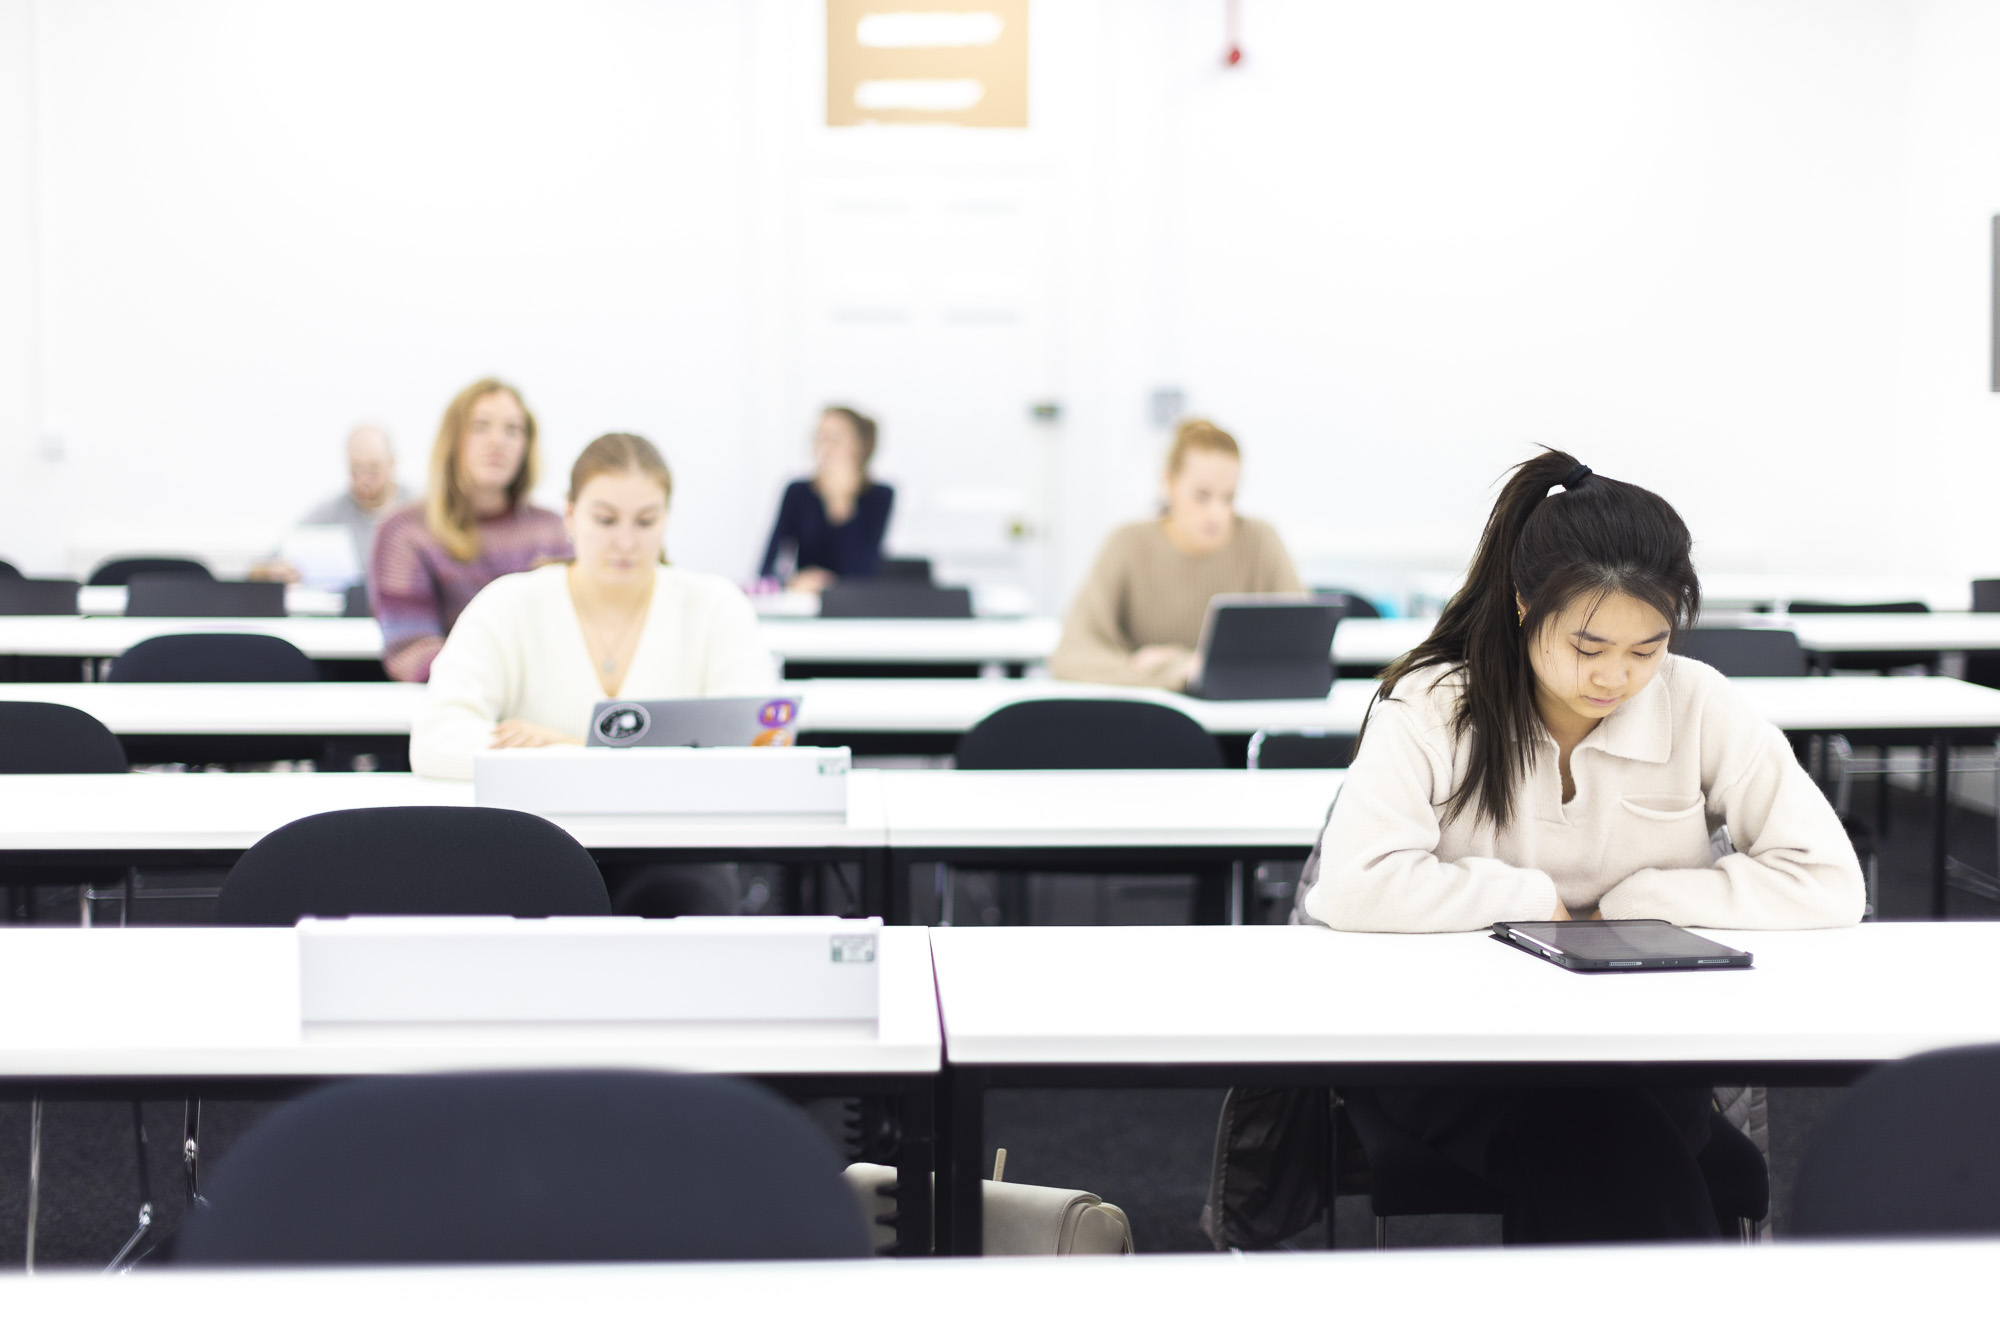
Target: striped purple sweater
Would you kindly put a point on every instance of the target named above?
(419, 588)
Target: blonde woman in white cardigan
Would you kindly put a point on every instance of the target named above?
(533, 652)
(1544, 756)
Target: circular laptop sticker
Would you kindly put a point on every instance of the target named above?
(624, 725)
(778, 713)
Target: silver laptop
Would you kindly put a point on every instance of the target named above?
(755, 720)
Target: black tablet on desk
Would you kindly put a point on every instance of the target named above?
(1622, 946)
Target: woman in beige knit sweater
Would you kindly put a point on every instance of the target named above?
(1543, 755)
(1137, 617)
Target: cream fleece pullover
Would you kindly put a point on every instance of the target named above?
(517, 651)
(1683, 759)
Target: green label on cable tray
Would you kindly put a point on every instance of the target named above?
(853, 949)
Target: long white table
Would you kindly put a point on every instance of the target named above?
(211, 1009)
(1211, 1006)
(109, 600)
(1878, 1286)
(949, 708)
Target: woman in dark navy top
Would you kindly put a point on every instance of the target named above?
(832, 526)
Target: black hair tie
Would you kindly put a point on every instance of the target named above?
(1576, 474)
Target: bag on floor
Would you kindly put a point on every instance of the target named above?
(1017, 1219)
(1268, 1181)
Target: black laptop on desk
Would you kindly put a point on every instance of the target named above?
(1265, 646)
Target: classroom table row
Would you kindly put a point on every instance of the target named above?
(1010, 644)
(1926, 1285)
(902, 717)
(199, 1011)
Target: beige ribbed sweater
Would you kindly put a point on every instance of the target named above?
(1143, 591)
(1656, 784)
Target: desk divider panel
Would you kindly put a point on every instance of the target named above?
(701, 970)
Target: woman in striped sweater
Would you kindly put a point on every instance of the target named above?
(474, 525)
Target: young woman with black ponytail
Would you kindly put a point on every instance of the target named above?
(1544, 755)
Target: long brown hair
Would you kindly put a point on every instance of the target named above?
(448, 508)
(620, 451)
(1593, 538)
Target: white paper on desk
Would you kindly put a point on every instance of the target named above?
(323, 554)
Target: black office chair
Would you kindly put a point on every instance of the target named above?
(203, 657)
(8, 570)
(1088, 734)
(1737, 651)
(425, 860)
(523, 1168)
(1909, 1152)
(121, 569)
(1983, 669)
(1085, 734)
(184, 595)
(894, 599)
(38, 738)
(355, 602)
(38, 597)
(403, 860)
(1275, 885)
(1405, 1177)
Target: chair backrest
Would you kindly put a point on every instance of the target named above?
(37, 738)
(202, 657)
(1088, 734)
(902, 599)
(422, 860)
(1739, 651)
(1910, 1151)
(1986, 594)
(185, 595)
(354, 602)
(1301, 750)
(1347, 602)
(9, 570)
(904, 567)
(1868, 608)
(519, 1168)
(121, 569)
(38, 597)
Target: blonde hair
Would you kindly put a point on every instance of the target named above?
(1199, 433)
(864, 430)
(448, 508)
(620, 451)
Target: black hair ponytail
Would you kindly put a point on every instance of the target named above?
(1594, 537)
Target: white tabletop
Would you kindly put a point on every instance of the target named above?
(951, 707)
(109, 600)
(1939, 632)
(230, 812)
(1834, 1286)
(333, 637)
(1196, 995)
(320, 708)
(975, 640)
(79, 1004)
(932, 808)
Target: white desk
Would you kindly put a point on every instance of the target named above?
(325, 637)
(109, 600)
(317, 709)
(1883, 1286)
(1214, 1006)
(1938, 632)
(88, 1005)
(975, 641)
(150, 813)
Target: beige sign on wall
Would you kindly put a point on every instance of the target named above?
(927, 62)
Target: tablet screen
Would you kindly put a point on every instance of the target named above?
(1620, 940)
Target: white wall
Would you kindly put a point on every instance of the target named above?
(1732, 249)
